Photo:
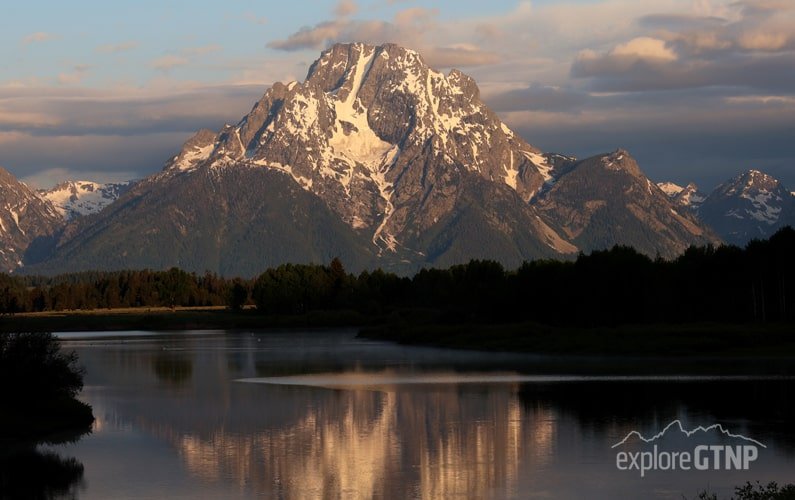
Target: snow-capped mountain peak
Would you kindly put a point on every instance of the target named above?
(77, 198)
(670, 188)
(750, 205)
(689, 196)
(358, 131)
(763, 193)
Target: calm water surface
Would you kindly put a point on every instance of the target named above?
(326, 415)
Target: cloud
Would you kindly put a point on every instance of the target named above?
(114, 48)
(74, 111)
(169, 62)
(200, 51)
(679, 135)
(101, 158)
(39, 36)
(750, 45)
(763, 40)
(644, 48)
(689, 86)
(412, 24)
(75, 76)
(185, 56)
(458, 56)
(316, 37)
(539, 97)
(123, 133)
(46, 179)
(345, 8)
(254, 18)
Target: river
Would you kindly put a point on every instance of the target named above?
(322, 414)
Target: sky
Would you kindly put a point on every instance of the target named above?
(697, 90)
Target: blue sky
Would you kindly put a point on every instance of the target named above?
(696, 89)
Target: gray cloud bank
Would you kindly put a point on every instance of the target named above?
(78, 132)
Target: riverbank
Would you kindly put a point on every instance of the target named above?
(704, 339)
(39, 384)
(427, 328)
(45, 421)
(179, 318)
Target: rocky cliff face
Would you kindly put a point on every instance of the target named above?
(24, 217)
(606, 200)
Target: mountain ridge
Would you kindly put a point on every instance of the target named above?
(413, 165)
(750, 205)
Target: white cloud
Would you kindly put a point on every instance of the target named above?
(39, 36)
(75, 76)
(763, 40)
(346, 8)
(169, 62)
(200, 51)
(645, 48)
(113, 48)
(414, 27)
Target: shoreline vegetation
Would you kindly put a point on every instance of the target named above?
(40, 383)
(724, 301)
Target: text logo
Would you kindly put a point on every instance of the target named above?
(696, 454)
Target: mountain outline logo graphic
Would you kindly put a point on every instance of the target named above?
(678, 423)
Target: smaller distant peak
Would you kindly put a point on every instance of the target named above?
(754, 173)
(671, 188)
(619, 155)
(620, 152)
(620, 159)
(753, 176)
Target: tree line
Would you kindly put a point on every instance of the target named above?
(118, 289)
(609, 287)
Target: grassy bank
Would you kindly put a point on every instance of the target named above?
(428, 328)
(180, 318)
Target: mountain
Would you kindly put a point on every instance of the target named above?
(607, 200)
(383, 161)
(670, 188)
(24, 217)
(77, 198)
(235, 221)
(751, 205)
(688, 196)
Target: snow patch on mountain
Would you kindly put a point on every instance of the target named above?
(688, 196)
(77, 198)
(764, 211)
(540, 161)
(670, 188)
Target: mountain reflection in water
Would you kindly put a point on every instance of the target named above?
(325, 415)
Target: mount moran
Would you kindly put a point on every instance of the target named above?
(375, 158)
